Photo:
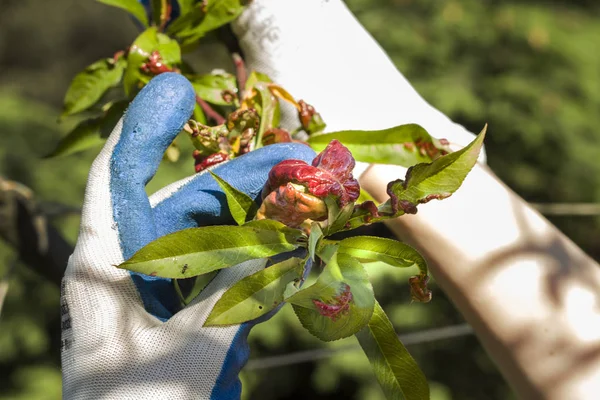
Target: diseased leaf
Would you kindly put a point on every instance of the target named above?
(315, 235)
(196, 251)
(397, 372)
(389, 251)
(438, 180)
(339, 303)
(404, 145)
(89, 85)
(241, 206)
(134, 7)
(214, 87)
(255, 295)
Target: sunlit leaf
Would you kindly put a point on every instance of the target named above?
(437, 180)
(89, 85)
(134, 7)
(339, 303)
(256, 294)
(205, 17)
(241, 206)
(397, 372)
(268, 110)
(389, 251)
(196, 251)
(404, 145)
(148, 41)
(212, 87)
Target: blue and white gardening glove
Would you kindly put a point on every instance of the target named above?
(120, 338)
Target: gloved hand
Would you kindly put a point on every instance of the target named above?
(115, 341)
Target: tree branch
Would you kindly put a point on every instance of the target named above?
(26, 228)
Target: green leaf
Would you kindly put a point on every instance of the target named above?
(337, 217)
(196, 251)
(169, 49)
(400, 145)
(241, 206)
(134, 7)
(148, 41)
(185, 6)
(159, 12)
(268, 109)
(205, 17)
(397, 372)
(91, 132)
(437, 180)
(255, 295)
(200, 282)
(339, 303)
(210, 87)
(85, 136)
(389, 251)
(315, 236)
(89, 85)
(256, 77)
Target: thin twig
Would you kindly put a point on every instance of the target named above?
(241, 73)
(209, 111)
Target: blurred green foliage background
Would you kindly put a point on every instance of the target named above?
(530, 69)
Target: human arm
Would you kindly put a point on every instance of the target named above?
(547, 286)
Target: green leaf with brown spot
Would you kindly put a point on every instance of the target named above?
(196, 251)
(437, 180)
(404, 145)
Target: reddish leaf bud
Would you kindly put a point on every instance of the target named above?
(289, 204)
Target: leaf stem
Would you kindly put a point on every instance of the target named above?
(241, 73)
(209, 111)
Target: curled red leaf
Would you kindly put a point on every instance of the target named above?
(329, 174)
